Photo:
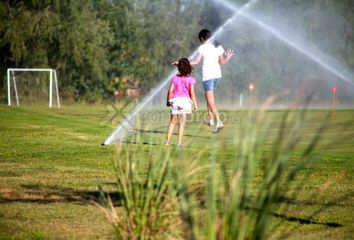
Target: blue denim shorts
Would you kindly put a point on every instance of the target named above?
(210, 85)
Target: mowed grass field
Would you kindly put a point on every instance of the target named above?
(52, 161)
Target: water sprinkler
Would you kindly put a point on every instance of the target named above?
(319, 58)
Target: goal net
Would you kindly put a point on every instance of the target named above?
(32, 86)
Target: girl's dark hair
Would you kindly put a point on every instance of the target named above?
(204, 35)
(184, 67)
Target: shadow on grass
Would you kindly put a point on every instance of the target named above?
(335, 203)
(39, 194)
(164, 132)
(305, 221)
(140, 143)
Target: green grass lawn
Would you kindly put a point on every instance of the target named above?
(51, 162)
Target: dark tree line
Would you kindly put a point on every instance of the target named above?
(92, 41)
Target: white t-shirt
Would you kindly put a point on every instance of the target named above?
(211, 67)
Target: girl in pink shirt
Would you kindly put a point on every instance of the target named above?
(181, 99)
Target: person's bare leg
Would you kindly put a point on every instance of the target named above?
(171, 126)
(209, 95)
(210, 113)
(182, 123)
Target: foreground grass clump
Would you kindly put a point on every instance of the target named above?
(148, 198)
(240, 194)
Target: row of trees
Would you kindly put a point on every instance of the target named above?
(93, 41)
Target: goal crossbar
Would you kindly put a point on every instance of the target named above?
(52, 75)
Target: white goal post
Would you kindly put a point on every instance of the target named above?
(52, 75)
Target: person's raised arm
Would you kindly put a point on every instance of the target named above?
(225, 58)
(197, 59)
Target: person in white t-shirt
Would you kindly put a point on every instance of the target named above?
(212, 55)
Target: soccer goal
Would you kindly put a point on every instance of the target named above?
(14, 89)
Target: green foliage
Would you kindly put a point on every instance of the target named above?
(91, 42)
(65, 35)
(148, 199)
